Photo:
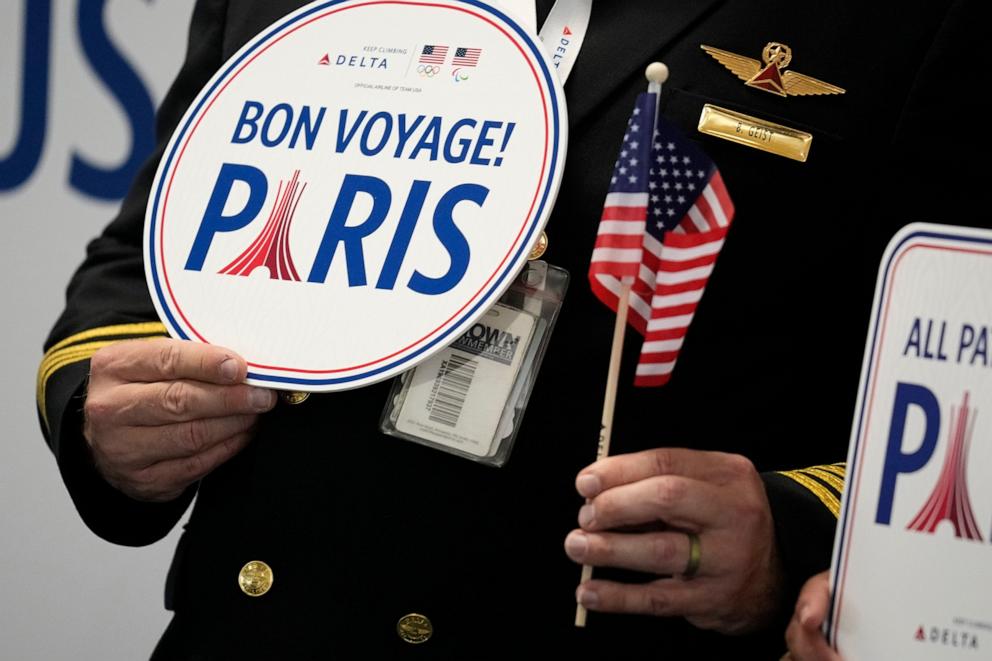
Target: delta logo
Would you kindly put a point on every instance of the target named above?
(362, 61)
(371, 57)
(946, 637)
(561, 48)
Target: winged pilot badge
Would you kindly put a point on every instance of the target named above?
(771, 77)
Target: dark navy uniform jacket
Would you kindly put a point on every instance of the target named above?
(361, 529)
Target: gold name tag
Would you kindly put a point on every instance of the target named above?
(753, 132)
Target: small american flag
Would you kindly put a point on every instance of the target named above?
(432, 54)
(664, 221)
(466, 57)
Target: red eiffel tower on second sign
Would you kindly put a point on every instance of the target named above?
(949, 500)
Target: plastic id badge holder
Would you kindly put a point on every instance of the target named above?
(469, 399)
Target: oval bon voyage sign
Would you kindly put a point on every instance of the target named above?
(355, 187)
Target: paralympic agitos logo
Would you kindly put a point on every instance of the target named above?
(464, 141)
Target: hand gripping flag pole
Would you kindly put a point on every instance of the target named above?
(664, 221)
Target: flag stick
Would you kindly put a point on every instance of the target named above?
(656, 74)
(606, 428)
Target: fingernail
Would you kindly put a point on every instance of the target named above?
(587, 597)
(229, 369)
(575, 545)
(586, 515)
(587, 485)
(804, 614)
(262, 399)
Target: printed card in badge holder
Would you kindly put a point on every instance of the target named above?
(469, 399)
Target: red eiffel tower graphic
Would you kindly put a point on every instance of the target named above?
(271, 247)
(949, 500)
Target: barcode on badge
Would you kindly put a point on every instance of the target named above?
(451, 385)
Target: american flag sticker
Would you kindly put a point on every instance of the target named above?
(433, 54)
(466, 57)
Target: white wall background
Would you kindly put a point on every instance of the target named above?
(64, 593)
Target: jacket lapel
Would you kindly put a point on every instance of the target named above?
(625, 36)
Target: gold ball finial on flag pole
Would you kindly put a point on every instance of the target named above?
(656, 72)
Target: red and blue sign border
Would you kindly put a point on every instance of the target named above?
(910, 239)
(551, 176)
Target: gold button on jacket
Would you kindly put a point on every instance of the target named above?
(255, 578)
(294, 397)
(415, 628)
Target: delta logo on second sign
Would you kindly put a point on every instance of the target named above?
(946, 637)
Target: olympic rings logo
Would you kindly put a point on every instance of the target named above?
(428, 70)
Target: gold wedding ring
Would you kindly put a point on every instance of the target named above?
(695, 556)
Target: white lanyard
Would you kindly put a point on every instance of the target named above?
(563, 31)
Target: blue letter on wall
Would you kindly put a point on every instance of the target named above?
(17, 166)
(122, 81)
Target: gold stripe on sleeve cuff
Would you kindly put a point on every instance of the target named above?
(140, 328)
(840, 470)
(827, 497)
(830, 479)
(75, 349)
